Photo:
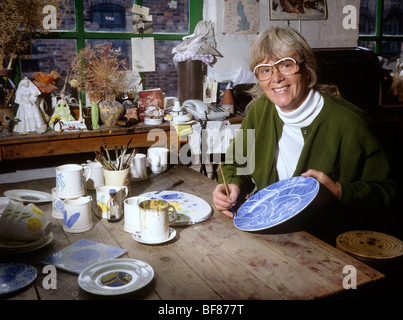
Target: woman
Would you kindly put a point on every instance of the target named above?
(301, 130)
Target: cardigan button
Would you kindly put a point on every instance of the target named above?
(304, 132)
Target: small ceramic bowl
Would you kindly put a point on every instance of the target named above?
(24, 223)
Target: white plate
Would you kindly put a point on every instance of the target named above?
(31, 196)
(115, 277)
(190, 209)
(137, 236)
(13, 247)
(14, 276)
(276, 203)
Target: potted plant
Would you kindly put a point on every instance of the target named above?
(100, 72)
(20, 21)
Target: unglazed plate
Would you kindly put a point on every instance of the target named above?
(276, 203)
(115, 277)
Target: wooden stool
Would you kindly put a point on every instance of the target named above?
(369, 245)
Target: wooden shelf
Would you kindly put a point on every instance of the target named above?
(52, 143)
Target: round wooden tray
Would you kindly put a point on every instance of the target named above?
(369, 245)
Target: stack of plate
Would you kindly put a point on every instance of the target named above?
(14, 246)
(20, 195)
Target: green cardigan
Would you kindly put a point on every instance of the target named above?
(339, 142)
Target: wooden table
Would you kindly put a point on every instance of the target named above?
(206, 261)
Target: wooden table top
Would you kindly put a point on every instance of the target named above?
(210, 260)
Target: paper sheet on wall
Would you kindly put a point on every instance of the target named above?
(241, 16)
(143, 54)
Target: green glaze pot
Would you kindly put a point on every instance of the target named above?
(110, 112)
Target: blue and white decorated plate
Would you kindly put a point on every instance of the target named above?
(15, 276)
(276, 203)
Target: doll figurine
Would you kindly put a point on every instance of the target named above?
(29, 115)
(62, 111)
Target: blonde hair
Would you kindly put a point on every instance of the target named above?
(279, 42)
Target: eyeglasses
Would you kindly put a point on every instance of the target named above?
(286, 66)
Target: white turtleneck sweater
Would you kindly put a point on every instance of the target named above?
(291, 142)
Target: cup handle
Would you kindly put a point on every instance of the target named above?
(87, 171)
(126, 190)
(89, 197)
(175, 214)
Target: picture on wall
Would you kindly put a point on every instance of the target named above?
(298, 10)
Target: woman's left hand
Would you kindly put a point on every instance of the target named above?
(331, 186)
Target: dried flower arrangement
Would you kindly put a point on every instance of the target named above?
(20, 21)
(98, 71)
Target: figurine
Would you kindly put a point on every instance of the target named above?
(62, 111)
(28, 112)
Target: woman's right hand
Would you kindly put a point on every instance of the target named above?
(224, 203)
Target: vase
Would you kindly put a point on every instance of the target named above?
(94, 116)
(110, 112)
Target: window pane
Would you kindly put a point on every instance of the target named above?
(108, 16)
(391, 51)
(165, 76)
(169, 16)
(50, 55)
(367, 17)
(392, 18)
(123, 45)
(67, 15)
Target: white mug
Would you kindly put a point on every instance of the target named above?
(77, 215)
(132, 213)
(138, 167)
(103, 198)
(57, 205)
(155, 218)
(96, 178)
(71, 180)
(158, 159)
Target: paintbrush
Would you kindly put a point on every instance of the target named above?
(226, 189)
(130, 158)
(171, 186)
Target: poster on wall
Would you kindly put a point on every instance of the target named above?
(298, 10)
(241, 16)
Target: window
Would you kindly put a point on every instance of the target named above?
(381, 29)
(90, 21)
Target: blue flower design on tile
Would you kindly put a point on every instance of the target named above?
(85, 255)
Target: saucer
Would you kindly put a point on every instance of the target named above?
(137, 236)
